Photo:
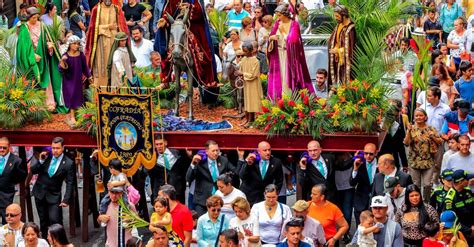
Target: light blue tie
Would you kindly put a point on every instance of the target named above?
(167, 161)
(2, 164)
(213, 174)
(369, 172)
(52, 167)
(264, 167)
(321, 168)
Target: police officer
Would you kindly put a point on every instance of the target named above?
(439, 193)
(460, 199)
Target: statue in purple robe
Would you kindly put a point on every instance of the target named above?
(288, 71)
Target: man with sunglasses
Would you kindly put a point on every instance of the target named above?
(363, 173)
(391, 232)
(12, 172)
(10, 233)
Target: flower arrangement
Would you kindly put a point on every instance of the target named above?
(359, 105)
(87, 115)
(21, 102)
(298, 114)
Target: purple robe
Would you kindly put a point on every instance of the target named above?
(297, 75)
(72, 80)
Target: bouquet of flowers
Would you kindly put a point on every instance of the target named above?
(21, 102)
(87, 115)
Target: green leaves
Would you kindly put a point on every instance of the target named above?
(218, 21)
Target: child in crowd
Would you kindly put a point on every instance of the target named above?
(431, 230)
(117, 179)
(253, 93)
(194, 234)
(366, 229)
(161, 216)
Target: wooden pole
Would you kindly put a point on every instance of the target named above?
(24, 165)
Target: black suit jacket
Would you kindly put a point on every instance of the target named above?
(311, 176)
(203, 177)
(252, 183)
(14, 172)
(379, 179)
(394, 145)
(176, 176)
(50, 188)
(363, 188)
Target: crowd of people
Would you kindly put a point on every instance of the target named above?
(415, 190)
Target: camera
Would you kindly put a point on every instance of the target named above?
(359, 155)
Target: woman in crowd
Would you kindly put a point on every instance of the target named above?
(414, 215)
(264, 33)
(328, 214)
(271, 216)
(446, 84)
(211, 224)
(288, 71)
(422, 141)
(31, 232)
(57, 236)
(245, 223)
(447, 15)
(248, 7)
(248, 33)
(457, 40)
(76, 20)
(228, 194)
(51, 15)
(234, 45)
(258, 18)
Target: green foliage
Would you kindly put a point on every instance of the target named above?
(421, 72)
(218, 21)
(86, 115)
(21, 102)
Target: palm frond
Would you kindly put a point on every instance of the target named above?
(218, 21)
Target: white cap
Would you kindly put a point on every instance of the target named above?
(379, 201)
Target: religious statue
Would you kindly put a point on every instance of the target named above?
(37, 58)
(288, 71)
(120, 62)
(106, 21)
(202, 51)
(341, 47)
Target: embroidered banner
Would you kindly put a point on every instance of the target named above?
(125, 131)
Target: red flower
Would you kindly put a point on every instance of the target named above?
(267, 127)
(286, 126)
(87, 115)
(300, 114)
(291, 103)
(154, 124)
(302, 95)
(306, 100)
(269, 117)
(281, 103)
(282, 116)
(311, 113)
(264, 109)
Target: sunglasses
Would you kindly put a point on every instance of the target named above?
(239, 56)
(369, 153)
(215, 210)
(4, 148)
(11, 215)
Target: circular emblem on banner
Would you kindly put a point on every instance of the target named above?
(125, 135)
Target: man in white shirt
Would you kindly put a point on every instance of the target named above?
(141, 47)
(10, 233)
(421, 100)
(312, 228)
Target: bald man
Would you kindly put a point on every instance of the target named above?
(316, 168)
(10, 233)
(363, 173)
(258, 170)
(387, 168)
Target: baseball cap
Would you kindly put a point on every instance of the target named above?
(390, 184)
(463, 105)
(449, 218)
(117, 189)
(379, 201)
(459, 175)
(447, 174)
(300, 205)
(434, 81)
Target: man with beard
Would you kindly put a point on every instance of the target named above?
(341, 47)
(141, 47)
(106, 21)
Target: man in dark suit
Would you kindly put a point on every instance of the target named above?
(319, 171)
(393, 143)
(205, 172)
(176, 166)
(257, 173)
(362, 179)
(52, 171)
(388, 168)
(12, 172)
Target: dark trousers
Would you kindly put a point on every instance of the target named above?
(271, 8)
(2, 214)
(49, 214)
(345, 201)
